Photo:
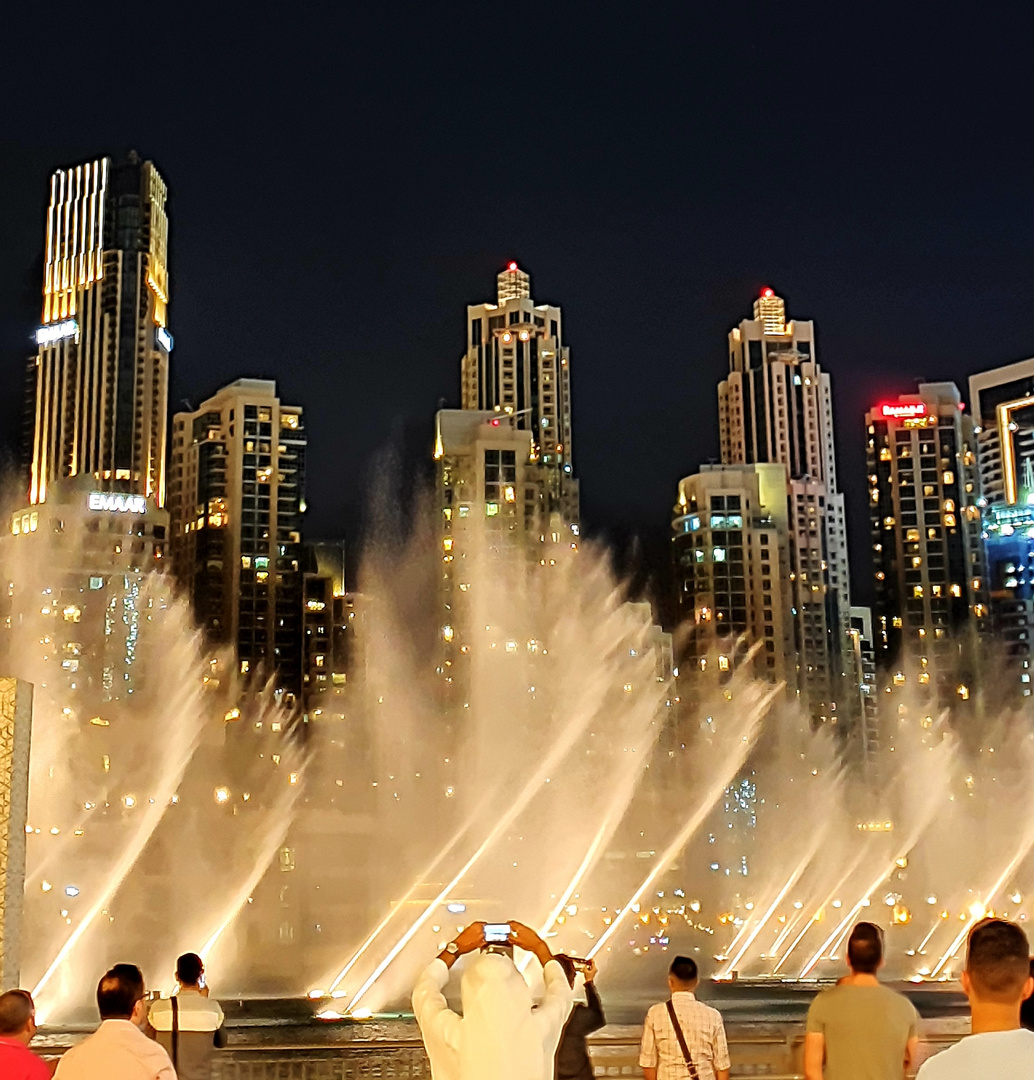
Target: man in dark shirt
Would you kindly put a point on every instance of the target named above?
(572, 1056)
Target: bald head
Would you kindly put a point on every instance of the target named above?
(16, 1014)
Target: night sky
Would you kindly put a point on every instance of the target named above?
(345, 180)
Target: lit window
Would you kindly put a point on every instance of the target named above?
(896, 622)
(245, 667)
(447, 544)
(509, 494)
(956, 590)
(261, 575)
(246, 562)
(948, 477)
(949, 520)
(96, 583)
(917, 591)
(718, 554)
(261, 562)
(289, 420)
(491, 509)
(723, 663)
(72, 613)
(949, 504)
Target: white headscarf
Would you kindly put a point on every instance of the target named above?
(500, 1039)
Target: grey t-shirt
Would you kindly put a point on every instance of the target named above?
(866, 1029)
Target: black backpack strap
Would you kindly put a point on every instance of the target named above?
(682, 1041)
(175, 1002)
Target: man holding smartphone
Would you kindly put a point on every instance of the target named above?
(502, 1033)
(572, 1056)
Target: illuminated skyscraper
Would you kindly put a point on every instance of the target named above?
(776, 407)
(516, 363)
(236, 499)
(732, 559)
(102, 370)
(1002, 402)
(931, 613)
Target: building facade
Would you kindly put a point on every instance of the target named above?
(100, 395)
(732, 556)
(1002, 402)
(516, 363)
(931, 615)
(236, 497)
(775, 407)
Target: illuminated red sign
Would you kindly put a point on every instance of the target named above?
(903, 412)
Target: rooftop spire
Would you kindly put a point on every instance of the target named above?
(770, 311)
(513, 284)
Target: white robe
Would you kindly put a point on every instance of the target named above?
(501, 1035)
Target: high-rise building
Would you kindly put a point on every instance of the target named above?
(865, 664)
(102, 370)
(775, 407)
(931, 614)
(236, 496)
(732, 557)
(492, 507)
(516, 363)
(1002, 402)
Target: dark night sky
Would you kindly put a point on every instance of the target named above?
(344, 180)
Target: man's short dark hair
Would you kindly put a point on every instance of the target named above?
(998, 960)
(16, 1011)
(188, 968)
(684, 969)
(118, 992)
(865, 948)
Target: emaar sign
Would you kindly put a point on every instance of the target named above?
(115, 502)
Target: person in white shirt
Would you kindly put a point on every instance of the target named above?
(118, 1049)
(189, 1025)
(661, 1056)
(502, 1034)
(997, 981)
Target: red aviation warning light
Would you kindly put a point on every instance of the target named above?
(511, 266)
(902, 412)
(767, 293)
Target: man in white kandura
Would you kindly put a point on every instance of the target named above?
(502, 1034)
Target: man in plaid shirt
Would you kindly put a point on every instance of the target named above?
(661, 1056)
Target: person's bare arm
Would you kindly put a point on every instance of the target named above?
(650, 1074)
(721, 1074)
(814, 1055)
(911, 1049)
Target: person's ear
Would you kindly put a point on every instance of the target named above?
(139, 1011)
(1028, 988)
(967, 985)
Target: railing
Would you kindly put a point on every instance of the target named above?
(769, 1057)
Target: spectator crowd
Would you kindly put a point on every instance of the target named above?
(859, 1029)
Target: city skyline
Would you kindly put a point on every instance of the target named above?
(646, 202)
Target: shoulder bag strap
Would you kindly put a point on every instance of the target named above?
(175, 1001)
(682, 1041)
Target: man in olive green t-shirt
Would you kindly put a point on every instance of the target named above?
(860, 1030)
